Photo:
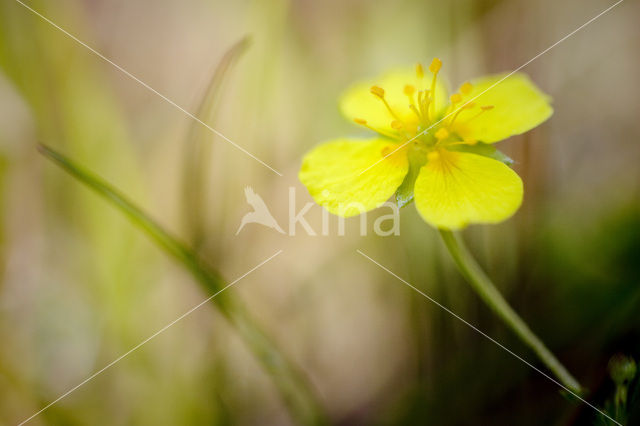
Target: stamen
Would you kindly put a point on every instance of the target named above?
(420, 95)
(419, 71)
(364, 123)
(483, 109)
(466, 88)
(377, 91)
(456, 98)
(423, 102)
(409, 90)
(435, 66)
(433, 156)
(468, 105)
(415, 110)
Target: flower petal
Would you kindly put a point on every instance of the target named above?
(518, 106)
(351, 176)
(358, 102)
(458, 189)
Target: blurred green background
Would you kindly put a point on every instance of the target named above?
(80, 285)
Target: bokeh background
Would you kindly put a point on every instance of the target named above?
(80, 285)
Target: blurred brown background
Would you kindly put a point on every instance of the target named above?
(80, 285)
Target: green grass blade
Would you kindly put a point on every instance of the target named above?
(197, 150)
(206, 110)
(212, 281)
(293, 387)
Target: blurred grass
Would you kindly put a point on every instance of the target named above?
(294, 388)
(199, 141)
(74, 272)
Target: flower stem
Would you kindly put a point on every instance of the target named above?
(487, 291)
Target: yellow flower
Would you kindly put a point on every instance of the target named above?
(430, 147)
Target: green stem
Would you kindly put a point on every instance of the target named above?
(479, 281)
(294, 389)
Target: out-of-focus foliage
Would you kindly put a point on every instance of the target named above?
(80, 285)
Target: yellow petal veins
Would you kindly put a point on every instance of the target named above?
(456, 189)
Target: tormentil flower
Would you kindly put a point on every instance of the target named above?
(430, 147)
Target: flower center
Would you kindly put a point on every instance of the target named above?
(428, 127)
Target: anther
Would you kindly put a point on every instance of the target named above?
(397, 125)
(377, 91)
(455, 98)
(409, 90)
(486, 107)
(419, 71)
(466, 88)
(433, 156)
(360, 121)
(435, 66)
(442, 133)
